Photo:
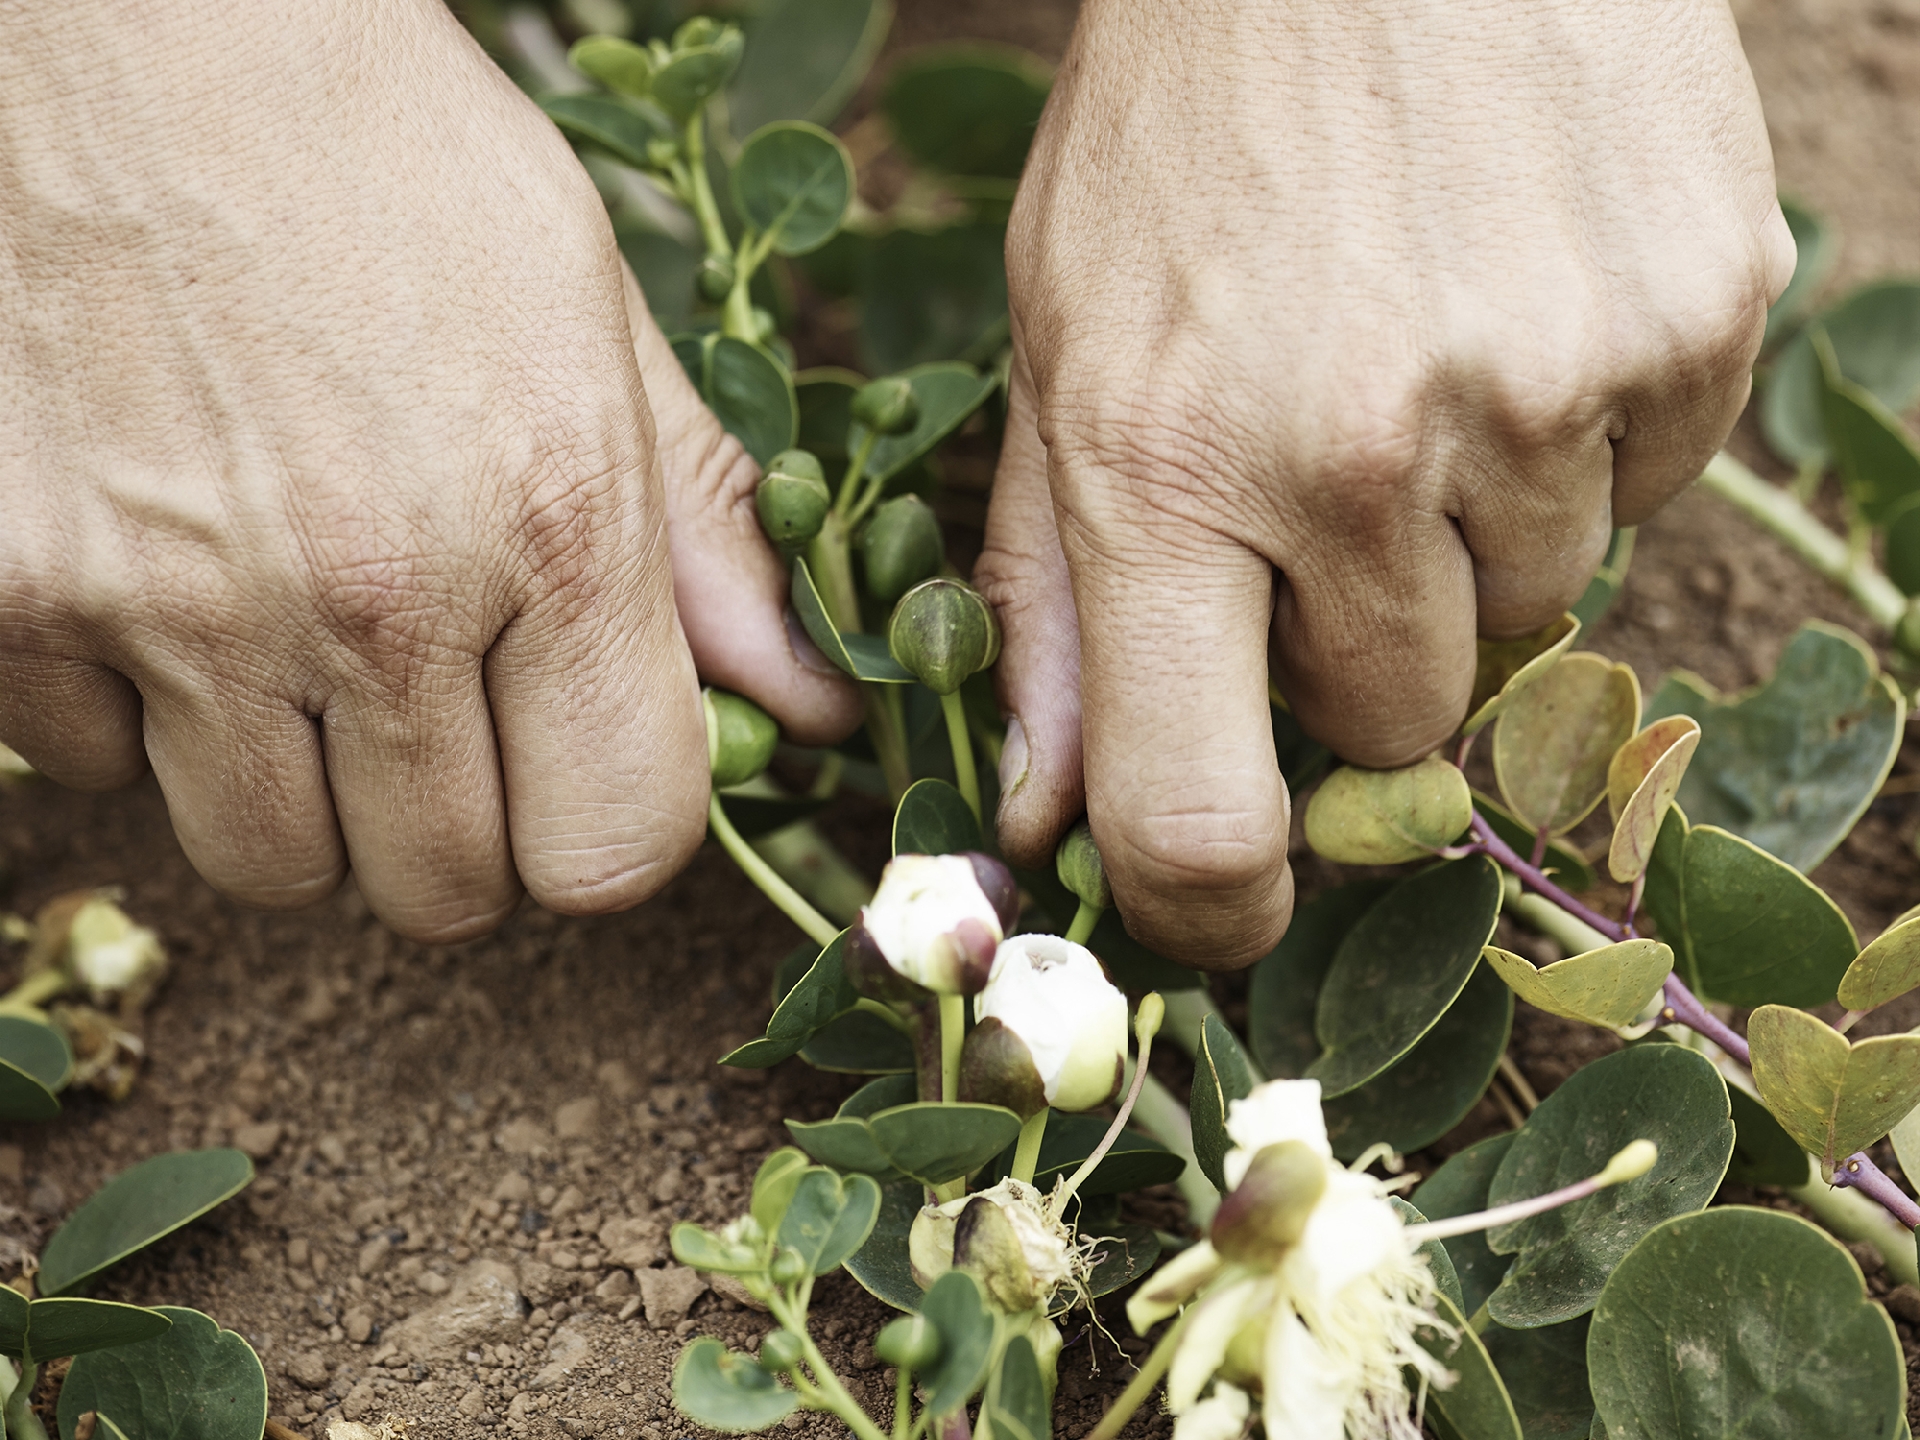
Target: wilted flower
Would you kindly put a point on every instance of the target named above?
(933, 925)
(1006, 1236)
(1321, 1325)
(1052, 1030)
(111, 956)
(106, 1056)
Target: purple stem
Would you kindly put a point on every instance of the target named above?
(1537, 880)
(1857, 1172)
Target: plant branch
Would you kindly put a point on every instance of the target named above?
(1026, 1150)
(1141, 1386)
(953, 1034)
(965, 776)
(818, 928)
(1084, 919)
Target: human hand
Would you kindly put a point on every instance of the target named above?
(1410, 301)
(331, 479)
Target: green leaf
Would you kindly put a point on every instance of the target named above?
(1793, 764)
(1503, 668)
(1553, 742)
(1814, 242)
(1876, 458)
(1476, 1405)
(1888, 968)
(703, 1250)
(1745, 928)
(1382, 817)
(933, 296)
(1285, 987)
(1439, 1264)
(936, 1143)
(773, 1186)
(13, 1325)
(746, 387)
(136, 1208)
(38, 1049)
(1022, 1409)
(726, 1390)
(1875, 333)
(958, 1312)
(793, 182)
(967, 109)
(1545, 1371)
(1127, 1251)
(859, 1043)
(864, 657)
(933, 819)
(826, 411)
(1135, 1162)
(1399, 969)
(829, 1217)
(1610, 986)
(622, 130)
(804, 59)
(1763, 1153)
(23, 1098)
(822, 995)
(1742, 1322)
(882, 1265)
(1902, 536)
(1832, 1096)
(1220, 1077)
(845, 1144)
(193, 1382)
(1606, 582)
(1459, 1187)
(1661, 1093)
(69, 1325)
(947, 394)
(695, 75)
(1642, 779)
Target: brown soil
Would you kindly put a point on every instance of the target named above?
(547, 1098)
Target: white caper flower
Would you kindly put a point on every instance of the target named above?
(1310, 1291)
(933, 925)
(1052, 1029)
(110, 955)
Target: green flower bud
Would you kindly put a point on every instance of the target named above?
(902, 546)
(909, 1343)
(792, 500)
(781, 1351)
(886, 407)
(943, 631)
(1077, 863)
(788, 1267)
(1906, 634)
(714, 279)
(740, 737)
(764, 326)
(1264, 1216)
(700, 30)
(620, 65)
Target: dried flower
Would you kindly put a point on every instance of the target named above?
(1007, 1237)
(113, 957)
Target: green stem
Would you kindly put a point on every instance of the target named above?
(832, 1393)
(30, 994)
(903, 1404)
(21, 1422)
(1141, 1386)
(964, 774)
(704, 208)
(1026, 1150)
(830, 560)
(1084, 919)
(953, 1034)
(819, 929)
(883, 1012)
(843, 503)
(809, 862)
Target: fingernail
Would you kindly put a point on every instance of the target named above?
(804, 650)
(1013, 758)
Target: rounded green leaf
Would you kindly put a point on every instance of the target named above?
(622, 66)
(933, 296)
(1742, 1322)
(1220, 1077)
(1609, 986)
(23, 1098)
(1876, 457)
(695, 74)
(1875, 333)
(937, 1143)
(13, 1323)
(1832, 1096)
(195, 1381)
(1020, 1407)
(804, 60)
(136, 1208)
(820, 996)
(1285, 988)
(957, 1310)
(36, 1048)
(1562, 1258)
(864, 657)
(1793, 764)
(793, 182)
(859, 1043)
(1503, 668)
(1814, 242)
(1553, 741)
(1763, 1153)
(747, 388)
(1476, 1406)
(69, 1325)
(967, 109)
(846, 1145)
(1889, 967)
(1127, 1251)
(1382, 817)
(945, 395)
(1135, 1162)
(829, 1217)
(1545, 1371)
(726, 1390)
(1459, 1187)
(1642, 780)
(883, 1265)
(1400, 967)
(622, 130)
(934, 819)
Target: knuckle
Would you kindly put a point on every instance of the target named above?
(1208, 851)
(1163, 440)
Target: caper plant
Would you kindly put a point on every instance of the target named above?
(1567, 1277)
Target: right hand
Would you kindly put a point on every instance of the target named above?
(330, 474)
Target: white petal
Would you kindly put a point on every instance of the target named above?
(1168, 1288)
(1221, 1416)
(921, 900)
(1276, 1111)
(1055, 997)
(1304, 1399)
(1353, 1232)
(1213, 1322)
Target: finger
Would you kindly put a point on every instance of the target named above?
(1023, 573)
(729, 585)
(595, 701)
(76, 723)
(1677, 418)
(246, 789)
(1374, 618)
(1183, 791)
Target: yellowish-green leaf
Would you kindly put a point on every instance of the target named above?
(1609, 986)
(1554, 740)
(1641, 783)
(1382, 817)
(1887, 968)
(1831, 1096)
(1504, 668)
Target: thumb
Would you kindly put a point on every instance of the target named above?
(728, 584)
